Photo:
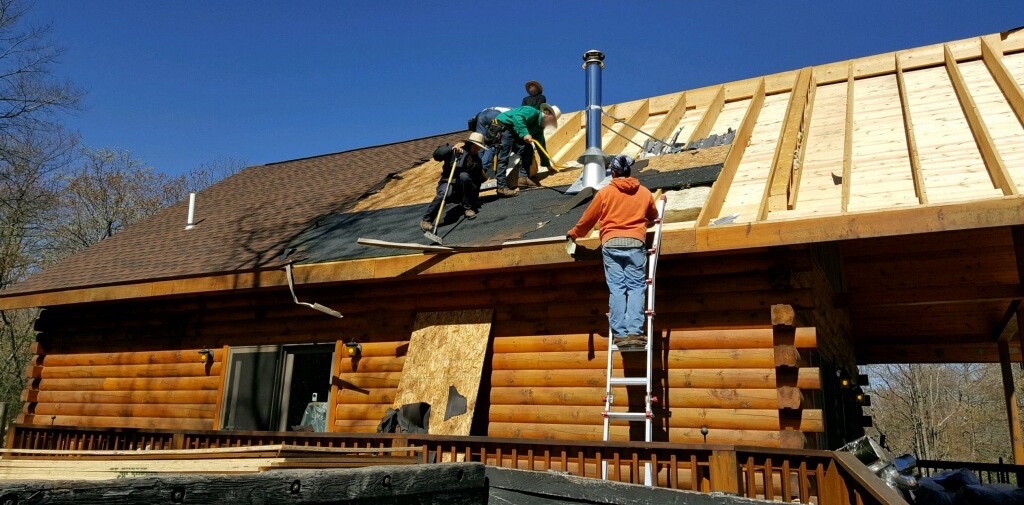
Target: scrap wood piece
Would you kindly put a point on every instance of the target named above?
(446, 349)
(459, 248)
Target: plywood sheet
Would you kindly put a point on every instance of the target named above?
(819, 192)
(446, 349)
(747, 187)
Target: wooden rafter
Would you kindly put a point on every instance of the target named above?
(707, 121)
(848, 141)
(798, 169)
(572, 126)
(993, 162)
(670, 120)
(993, 59)
(780, 179)
(617, 142)
(732, 160)
(908, 128)
(575, 147)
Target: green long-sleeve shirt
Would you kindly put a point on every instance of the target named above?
(526, 120)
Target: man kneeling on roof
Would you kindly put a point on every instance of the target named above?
(515, 131)
(464, 189)
(624, 209)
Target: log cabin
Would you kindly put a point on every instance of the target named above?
(858, 212)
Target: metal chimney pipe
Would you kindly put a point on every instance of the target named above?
(191, 223)
(593, 158)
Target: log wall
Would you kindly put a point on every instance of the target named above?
(720, 362)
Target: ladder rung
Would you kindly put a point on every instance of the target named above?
(627, 415)
(628, 381)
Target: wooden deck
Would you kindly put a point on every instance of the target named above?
(807, 476)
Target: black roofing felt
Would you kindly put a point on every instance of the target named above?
(535, 213)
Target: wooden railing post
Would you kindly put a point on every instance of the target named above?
(724, 470)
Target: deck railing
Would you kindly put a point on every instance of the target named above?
(805, 476)
(988, 473)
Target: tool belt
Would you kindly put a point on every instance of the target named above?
(494, 131)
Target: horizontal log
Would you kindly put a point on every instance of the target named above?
(689, 359)
(676, 397)
(126, 396)
(372, 412)
(370, 365)
(733, 419)
(126, 410)
(355, 426)
(210, 383)
(156, 423)
(130, 358)
(352, 381)
(143, 371)
(384, 396)
(741, 338)
(623, 433)
(807, 378)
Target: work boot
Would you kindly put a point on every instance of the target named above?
(470, 213)
(631, 343)
(507, 192)
(512, 182)
(426, 225)
(526, 182)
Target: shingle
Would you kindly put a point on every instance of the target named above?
(243, 221)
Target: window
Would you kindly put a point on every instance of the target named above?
(278, 388)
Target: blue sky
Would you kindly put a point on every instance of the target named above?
(185, 82)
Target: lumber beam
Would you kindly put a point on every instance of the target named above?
(908, 129)
(848, 142)
(1012, 407)
(710, 117)
(993, 59)
(931, 295)
(780, 178)
(720, 188)
(993, 161)
(335, 397)
(569, 129)
(575, 147)
(670, 120)
(798, 170)
(616, 142)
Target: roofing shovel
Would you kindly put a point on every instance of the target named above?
(432, 235)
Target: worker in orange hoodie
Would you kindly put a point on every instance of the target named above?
(623, 208)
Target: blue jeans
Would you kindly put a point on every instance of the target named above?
(462, 190)
(625, 271)
(511, 143)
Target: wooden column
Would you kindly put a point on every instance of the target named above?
(1012, 411)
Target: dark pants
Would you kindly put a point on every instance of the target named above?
(511, 143)
(462, 190)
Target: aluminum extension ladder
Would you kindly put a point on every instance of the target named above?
(647, 416)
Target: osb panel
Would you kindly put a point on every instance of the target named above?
(678, 161)
(446, 349)
(417, 185)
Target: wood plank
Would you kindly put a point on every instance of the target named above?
(780, 178)
(686, 359)
(908, 128)
(131, 358)
(712, 398)
(848, 143)
(720, 188)
(142, 371)
(671, 119)
(994, 62)
(616, 143)
(710, 117)
(570, 127)
(335, 395)
(169, 397)
(993, 161)
(712, 378)
(446, 350)
(802, 150)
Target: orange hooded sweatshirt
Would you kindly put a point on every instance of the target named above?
(623, 209)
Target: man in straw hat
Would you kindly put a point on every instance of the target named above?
(623, 208)
(464, 159)
(534, 95)
(516, 131)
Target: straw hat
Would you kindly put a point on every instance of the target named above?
(553, 109)
(477, 139)
(540, 89)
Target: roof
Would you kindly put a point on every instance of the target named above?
(910, 142)
(243, 221)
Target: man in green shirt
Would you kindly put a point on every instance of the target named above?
(519, 128)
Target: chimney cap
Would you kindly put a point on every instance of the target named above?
(593, 56)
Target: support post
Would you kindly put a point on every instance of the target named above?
(1012, 410)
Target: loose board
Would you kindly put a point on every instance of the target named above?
(446, 349)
